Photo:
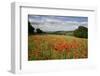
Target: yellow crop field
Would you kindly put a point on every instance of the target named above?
(50, 47)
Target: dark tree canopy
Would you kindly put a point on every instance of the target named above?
(39, 30)
(81, 32)
(30, 28)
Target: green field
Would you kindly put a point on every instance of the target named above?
(50, 46)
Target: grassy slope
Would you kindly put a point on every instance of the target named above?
(43, 47)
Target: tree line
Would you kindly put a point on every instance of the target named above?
(31, 30)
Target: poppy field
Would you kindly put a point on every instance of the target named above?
(51, 47)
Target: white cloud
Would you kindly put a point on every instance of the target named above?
(59, 27)
(51, 24)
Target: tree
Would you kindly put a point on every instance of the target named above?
(81, 32)
(30, 28)
(39, 30)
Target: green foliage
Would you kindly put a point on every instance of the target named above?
(39, 30)
(81, 32)
(30, 28)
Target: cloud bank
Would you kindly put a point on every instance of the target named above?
(57, 23)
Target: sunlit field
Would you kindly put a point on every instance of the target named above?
(50, 47)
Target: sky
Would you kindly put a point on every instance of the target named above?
(57, 23)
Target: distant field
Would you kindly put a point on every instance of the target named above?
(48, 47)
